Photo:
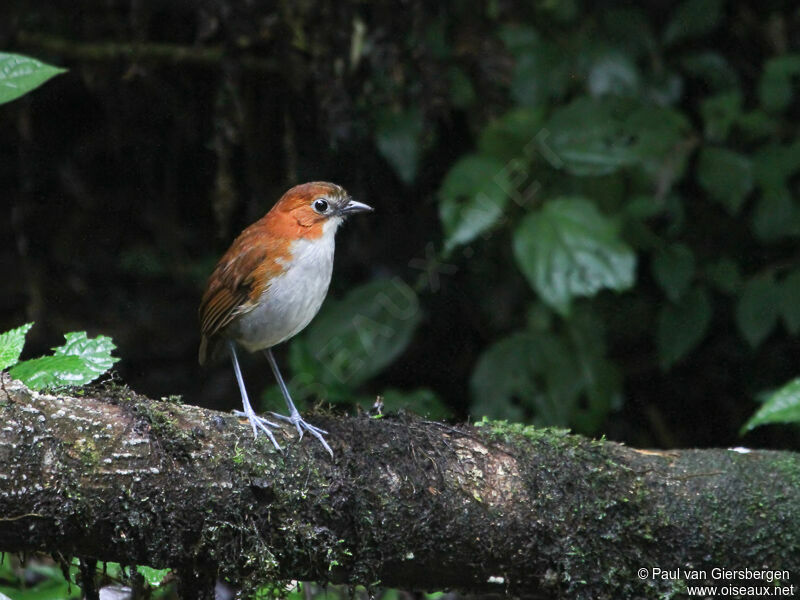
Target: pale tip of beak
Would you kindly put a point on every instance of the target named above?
(353, 207)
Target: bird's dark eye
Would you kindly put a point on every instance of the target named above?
(321, 205)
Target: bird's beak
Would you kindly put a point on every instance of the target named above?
(352, 207)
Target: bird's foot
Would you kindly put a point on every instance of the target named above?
(302, 426)
(259, 424)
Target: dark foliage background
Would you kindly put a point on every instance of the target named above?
(497, 140)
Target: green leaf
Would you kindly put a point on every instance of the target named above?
(398, 137)
(512, 135)
(11, 343)
(462, 92)
(421, 401)
(540, 73)
(613, 73)
(358, 336)
(720, 112)
(790, 301)
(153, 577)
(724, 275)
(757, 309)
(472, 198)
(693, 19)
(713, 69)
(21, 74)
(776, 87)
(782, 406)
(726, 176)
(526, 374)
(569, 249)
(776, 215)
(598, 136)
(79, 361)
(673, 269)
(681, 326)
(558, 379)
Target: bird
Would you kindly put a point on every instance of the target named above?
(270, 284)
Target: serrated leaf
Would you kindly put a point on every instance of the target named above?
(11, 344)
(726, 175)
(79, 361)
(681, 326)
(569, 249)
(673, 269)
(790, 301)
(21, 74)
(692, 19)
(757, 309)
(398, 137)
(358, 336)
(776, 87)
(598, 136)
(782, 406)
(472, 198)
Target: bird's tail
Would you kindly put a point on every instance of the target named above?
(202, 355)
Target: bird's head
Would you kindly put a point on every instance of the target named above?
(315, 208)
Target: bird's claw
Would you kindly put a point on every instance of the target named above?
(301, 425)
(260, 424)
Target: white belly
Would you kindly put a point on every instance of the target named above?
(292, 299)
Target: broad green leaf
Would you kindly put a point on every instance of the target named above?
(790, 301)
(597, 136)
(724, 274)
(782, 406)
(713, 69)
(569, 249)
(615, 74)
(776, 215)
(79, 361)
(153, 577)
(673, 269)
(776, 86)
(512, 136)
(726, 175)
(472, 198)
(540, 73)
(462, 92)
(692, 19)
(774, 164)
(681, 326)
(557, 379)
(358, 336)
(720, 112)
(11, 343)
(398, 136)
(421, 401)
(526, 374)
(757, 309)
(21, 74)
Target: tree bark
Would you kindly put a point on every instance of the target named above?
(113, 476)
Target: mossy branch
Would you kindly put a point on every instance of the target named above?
(115, 476)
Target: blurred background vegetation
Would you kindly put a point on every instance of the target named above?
(587, 215)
